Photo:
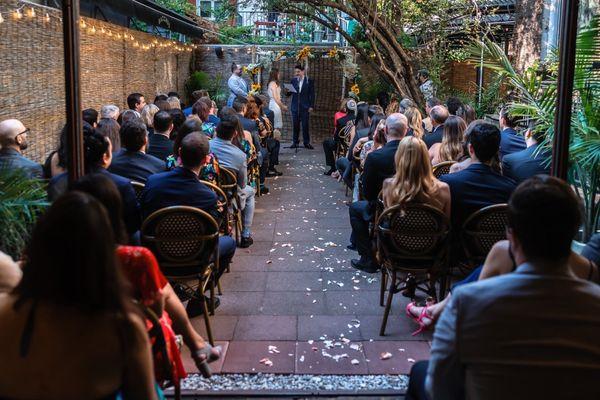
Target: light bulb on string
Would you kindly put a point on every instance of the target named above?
(18, 14)
(103, 30)
(1, 18)
(47, 17)
(31, 12)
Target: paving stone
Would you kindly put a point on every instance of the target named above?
(404, 355)
(351, 280)
(266, 327)
(215, 367)
(315, 358)
(286, 303)
(240, 303)
(294, 281)
(247, 263)
(245, 356)
(315, 326)
(244, 281)
(222, 326)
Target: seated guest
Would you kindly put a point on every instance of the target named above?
(56, 162)
(529, 162)
(202, 110)
(177, 96)
(379, 166)
(510, 141)
(415, 122)
(362, 116)
(160, 97)
(178, 120)
(414, 181)
(128, 115)
(251, 122)
(214, 110)
(10, 273)
(109, 111)
(163, 105)
(330, 144)
(90, 116)
(362, 126)
(159, 144)
(174, 102)
(467, 112)
(451, 147)
(97, 158)
(429, 104)
(438, 115)
(147, 115)
(270, 142)
(230, 156)
(405, 104)
(453, 104)
(13, 140)
(110, 128)
(478, 185)
(196, 95)
(209, 170)
(136, 102)
(131, 161)
(379, 140)
(70, 322)
(494, 331)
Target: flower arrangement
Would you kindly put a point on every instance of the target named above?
(280, 55)
(304, 54)
(333, 52)
(255, 88)
(355, 90)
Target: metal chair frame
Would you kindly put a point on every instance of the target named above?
(430, 260)
(230, 187)
(476, 240)
(206, 264)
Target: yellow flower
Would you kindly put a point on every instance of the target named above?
(355, 89)
(245, 69)
(256, 70)
(255, 87)
(333, 52)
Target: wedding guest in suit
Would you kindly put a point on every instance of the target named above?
(438, 115)
(136, 102)
(478, 185)
(110, 128)
(109, 111)
(131, 161)
(379, 166)
(529, 162)
(237, 85)
(510, 141)
(90, 116)
(13, 139)
(302, 104)
(494, 331)
(159, 144)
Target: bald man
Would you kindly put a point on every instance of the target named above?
(379, 165)
(13, 140)
(438, 116)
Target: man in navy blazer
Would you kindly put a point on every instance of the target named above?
(159, 143)
(131, 161)
(379, 165)
(510, 141)
(438, 116)
(303, 102)
(478, 185)
(529, 162)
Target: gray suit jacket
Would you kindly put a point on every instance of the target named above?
(524, 335)
(237, 87)
(230, 156)
(10, 158)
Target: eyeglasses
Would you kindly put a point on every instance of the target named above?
(27, 130)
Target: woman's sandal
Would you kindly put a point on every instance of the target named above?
(204, 356)
(422, 325)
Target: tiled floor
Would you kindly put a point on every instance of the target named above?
(295, 289)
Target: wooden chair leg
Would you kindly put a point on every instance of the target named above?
(383, 286)
(207, 322)
(212, 296)
(219, 290)
(388, 305)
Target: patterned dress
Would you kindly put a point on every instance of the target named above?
(209, 171)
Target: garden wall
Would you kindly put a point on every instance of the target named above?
(112, 66)
(326, 73)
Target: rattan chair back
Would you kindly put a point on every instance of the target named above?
(442, 168)
(482, 230)
(138, 187)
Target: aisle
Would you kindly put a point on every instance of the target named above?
(294, 288)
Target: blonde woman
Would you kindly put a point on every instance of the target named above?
(451, 148)
(147, 115)
(174, 102)
(415, 122)
(414, 181)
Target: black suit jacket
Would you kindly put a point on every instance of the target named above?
(525, 164)
(160, 146)
(379, 165)
(135, 165)
(476, 187)
(435, 136)
(306, 98)
(179, 187)
(511, 142)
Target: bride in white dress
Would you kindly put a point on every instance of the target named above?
(275, 103)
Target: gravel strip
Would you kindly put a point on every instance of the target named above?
(272, 382)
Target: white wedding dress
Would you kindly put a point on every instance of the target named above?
(278, 119)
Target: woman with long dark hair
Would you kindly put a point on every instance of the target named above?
(275, 103)
(451, 148)
(70, 321)
(362, 116)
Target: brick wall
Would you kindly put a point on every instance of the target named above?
(32, 77)
(326, 73)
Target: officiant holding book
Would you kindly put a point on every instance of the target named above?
(303, 101)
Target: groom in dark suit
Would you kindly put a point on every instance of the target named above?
(303, 102)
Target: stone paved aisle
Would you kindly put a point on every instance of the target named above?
(294, 288)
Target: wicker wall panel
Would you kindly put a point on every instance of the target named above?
(32, 71)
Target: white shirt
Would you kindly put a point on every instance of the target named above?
(300, 83)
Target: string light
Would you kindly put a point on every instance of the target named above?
(31, 12)
(83, 24)
(18, 14)
(47, 17)
(1, 18)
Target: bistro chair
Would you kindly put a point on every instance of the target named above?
(481, 231)
(185, 241)
(343, 142)
(442, 168)
(411, 239)
(234, 214)
(138, 187)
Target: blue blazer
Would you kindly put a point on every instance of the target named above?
(131, 208)
(135, 165)
(159, 146)
(305, 99)
(525, 164)
(179, 187)
(511, 142)
(476, 187)
(379, 165)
